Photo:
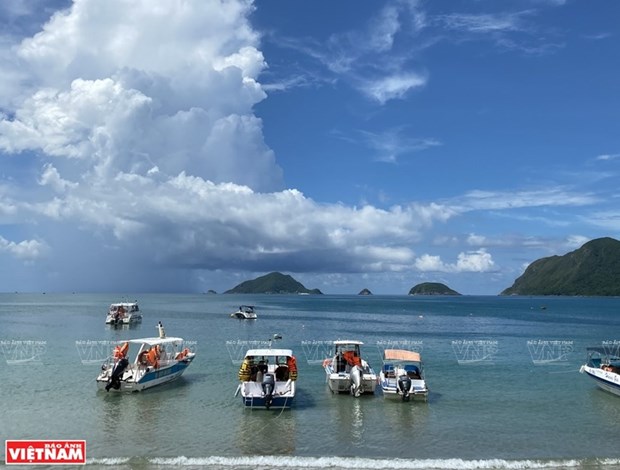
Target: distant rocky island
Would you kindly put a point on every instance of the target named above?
(592, 270)
(432, 288)
(365, 292)
(272, 283)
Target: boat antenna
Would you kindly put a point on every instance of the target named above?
(276, 336)
(162, 332)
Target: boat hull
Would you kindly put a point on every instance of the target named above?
(147, 378)
(389, 387)
(341, 383)
(608, 381)
(242, 316)
(391, 393)
(123, 321)
(283, 402)
(252, 395)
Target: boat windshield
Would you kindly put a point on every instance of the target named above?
(350, 348)
(601, 356)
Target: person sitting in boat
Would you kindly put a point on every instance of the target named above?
(282, 372)
(152, 357)
(182, 354)
(143, 358)
(340, 362)
(261, 370)
(352, 358)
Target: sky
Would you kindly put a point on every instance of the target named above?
(190, 145)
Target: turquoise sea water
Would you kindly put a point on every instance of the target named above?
(503, 375)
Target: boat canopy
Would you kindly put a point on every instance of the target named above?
(605, 351)
(401, 355)
(269, 352)
(343, 341)
(156, 340)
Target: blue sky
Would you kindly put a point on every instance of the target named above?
(187, 145)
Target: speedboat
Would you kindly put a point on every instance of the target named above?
(156, 361)
(402, 375)
(603, 365)
(347, 372)
(267, 378)
(245, 312)
(123, 313)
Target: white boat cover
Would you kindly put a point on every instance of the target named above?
(269, 352)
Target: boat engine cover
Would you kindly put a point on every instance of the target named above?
(404, 386)
(269, 385)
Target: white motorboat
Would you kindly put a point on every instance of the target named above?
(267, 378)
(347, 372)
(603, 365)
(402, 375)
(245, 312)
(156, 361)
(123, 313)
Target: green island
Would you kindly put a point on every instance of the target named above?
(272, 283)
(592, 270)
(432, 288)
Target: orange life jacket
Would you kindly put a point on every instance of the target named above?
(352, 359)
(121, 351)
(151, 357)
(291, 362)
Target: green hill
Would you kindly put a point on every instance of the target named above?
(592, 270)
(432, 288)
(272, 283)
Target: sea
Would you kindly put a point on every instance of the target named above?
(503, 373)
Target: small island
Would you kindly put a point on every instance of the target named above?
(365, 292)
(272, 283)
(432, 288)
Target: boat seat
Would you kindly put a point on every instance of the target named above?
(388, 371)
(412, 372)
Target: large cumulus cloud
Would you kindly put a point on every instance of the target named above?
(133, 127)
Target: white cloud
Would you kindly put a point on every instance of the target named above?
(608, 156)
(132, 86)
(484, 22)
(500, 200)
(478, 261)
(392, 87)
(576, 241)
(394, 143)
(474, 261)
(26, 250)
(51, 177)
(476, 240)
(609, 220)
(430, 263)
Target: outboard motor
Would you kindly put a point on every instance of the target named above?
(117, 372)
(356, 381)
(404, 385)
(269, 386)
